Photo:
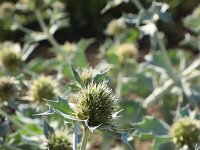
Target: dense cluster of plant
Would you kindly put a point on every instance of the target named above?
(127, 99)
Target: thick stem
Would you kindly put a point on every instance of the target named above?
(86, 133)
(75, 136)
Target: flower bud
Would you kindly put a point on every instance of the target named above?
(10, 58)
(8, 88)
(125, 51)
(115, 27)
(58, 142)
(186, 131)
(95, 103)
(43, 88)
(6, 10)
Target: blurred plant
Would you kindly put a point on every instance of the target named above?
(185, 131)
(125, 51)
(43, 88)
(58, 141)
(6, 10)
(10, 56)
(115, 27)
(8, 88)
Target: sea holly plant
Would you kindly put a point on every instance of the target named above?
(93, 106)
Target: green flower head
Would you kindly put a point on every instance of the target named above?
(126, 51)
(43, 88)
(186, 131)
(58, 142)
(95, 103)
(10, 58)
(8, 88)
(115, 27)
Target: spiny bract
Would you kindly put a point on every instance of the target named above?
(43, 88)
(95, 102)
(10, 58)
(8, 88)
(186, 131)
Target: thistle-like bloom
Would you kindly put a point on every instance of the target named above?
(58, 142)
(115, 27)
(6, 10)
(125, 51)
(186, 131)
(87, 75)
(43, 88)
(10, 58)
(95, 103)
(8, 88)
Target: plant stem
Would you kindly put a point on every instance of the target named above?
(107, 141)
(75, 136)
(166, 57)
(119, 85)
(86, 133)
(46, 31)
(138, 4)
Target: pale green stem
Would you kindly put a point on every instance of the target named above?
(119, 85)
(107, 141)
(86, 134)
(166, 57)
(138, 4)
(46, 31)
(75, 136)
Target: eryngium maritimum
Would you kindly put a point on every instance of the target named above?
(58, 142)
(186, 131)
(95, 102)
(10, 58)
(43, 88)
(8, 88)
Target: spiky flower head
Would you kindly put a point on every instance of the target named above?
(6, 10)
(186, 131)
(8, 88)
(115, 27)
(58, 142)
(43, 88)
(125, 51)
(95, 103)
(10, 58)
